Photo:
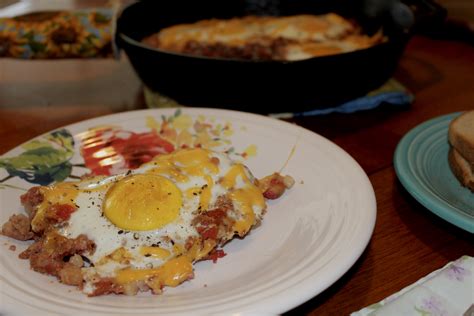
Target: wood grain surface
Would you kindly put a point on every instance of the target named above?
(408, 242)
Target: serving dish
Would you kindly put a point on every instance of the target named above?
(262, 86)
(421, 164)
(308, 239)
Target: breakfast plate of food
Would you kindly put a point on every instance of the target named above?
(430, 163)
(178, 211)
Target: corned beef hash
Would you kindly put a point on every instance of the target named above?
(142, 230)
(265, 38)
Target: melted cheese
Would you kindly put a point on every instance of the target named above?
(246, 198)
(296, 30)
(155, 252)
(230, 179)
(171, 171)
(64, 193)
(198, 251)
(60, 193)
(240, 30)
(192, 162)
(53, 241)
(120, 255)
(172, 273)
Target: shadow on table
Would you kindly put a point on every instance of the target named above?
(431, 230)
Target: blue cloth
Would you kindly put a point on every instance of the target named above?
(392, 93)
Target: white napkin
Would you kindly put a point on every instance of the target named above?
(444, 292)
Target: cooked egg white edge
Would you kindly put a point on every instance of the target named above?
(88, 219)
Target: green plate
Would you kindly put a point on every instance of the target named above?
(421, 164)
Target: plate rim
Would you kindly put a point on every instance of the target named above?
(412, 185)
(336, 273)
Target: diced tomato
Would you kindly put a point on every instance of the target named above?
(208, 232)
(64, 211)
(215, 214)
(216, 254)
(271, 194)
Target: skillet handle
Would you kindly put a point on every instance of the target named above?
(429, 15)
(411, 15)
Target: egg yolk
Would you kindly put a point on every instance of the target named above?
(142, 202)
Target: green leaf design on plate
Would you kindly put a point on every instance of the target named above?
(44, 160)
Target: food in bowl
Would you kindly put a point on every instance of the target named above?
(142, 230)
(265, 38)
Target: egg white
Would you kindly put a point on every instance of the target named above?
(89, 220)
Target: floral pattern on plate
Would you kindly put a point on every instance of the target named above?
(112, 149)
(45, 160)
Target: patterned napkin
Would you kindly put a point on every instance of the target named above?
(58, 34)
(444, 292)
(392, 93)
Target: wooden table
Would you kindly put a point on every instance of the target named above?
(408, 242)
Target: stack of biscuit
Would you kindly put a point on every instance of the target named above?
(461, 152)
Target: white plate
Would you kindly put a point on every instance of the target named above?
(308, 239)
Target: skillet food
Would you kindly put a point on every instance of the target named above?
(286, 38)
(270, 85)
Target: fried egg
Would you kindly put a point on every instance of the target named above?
(146, 223)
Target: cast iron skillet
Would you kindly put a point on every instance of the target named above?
(258, 86)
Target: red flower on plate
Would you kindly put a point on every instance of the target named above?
(111, 150)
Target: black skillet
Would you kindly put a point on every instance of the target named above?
(263, 86)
